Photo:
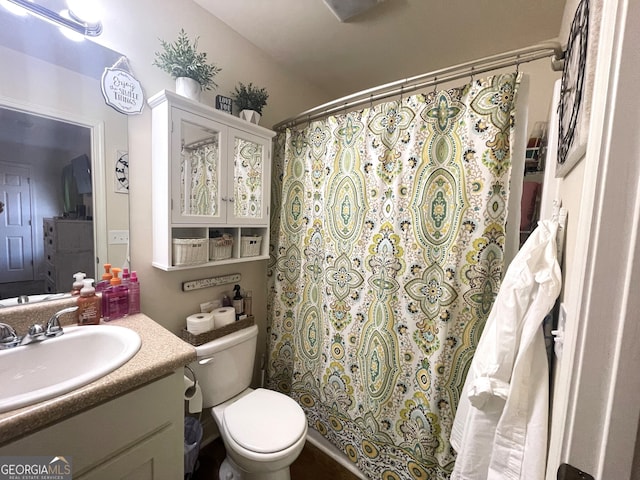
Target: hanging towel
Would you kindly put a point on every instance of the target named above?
(500, 428)
(82, 173)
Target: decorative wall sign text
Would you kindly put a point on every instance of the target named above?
(122, 91)
(210, 282)
(224, 103)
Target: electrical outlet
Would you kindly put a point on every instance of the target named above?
(118, 237)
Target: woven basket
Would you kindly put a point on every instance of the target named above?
(220, 248)
(190, 251)
(250, 246)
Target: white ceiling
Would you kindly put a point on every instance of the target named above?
(394, 40)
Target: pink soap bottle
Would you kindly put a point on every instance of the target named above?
(134, 294)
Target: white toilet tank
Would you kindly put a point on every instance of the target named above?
(224, 367)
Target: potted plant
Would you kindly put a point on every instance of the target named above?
(250, 100)
(190, 69)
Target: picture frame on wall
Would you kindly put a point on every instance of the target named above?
(121, 172)
(576, 91)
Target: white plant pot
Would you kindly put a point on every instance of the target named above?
(250, 116)
(188, 87)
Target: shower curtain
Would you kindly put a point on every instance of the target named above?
(387, 245)
(199, 179)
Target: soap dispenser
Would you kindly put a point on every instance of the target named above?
(89, 308)
(106, 279)
(116, 298)
(77, 284)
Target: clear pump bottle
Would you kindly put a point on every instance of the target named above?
(77, 283)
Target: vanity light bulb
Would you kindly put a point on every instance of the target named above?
(87, 11)
(13, 8)
(70, 34)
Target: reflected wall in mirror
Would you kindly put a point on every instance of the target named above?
(46, 226)
(47, 79)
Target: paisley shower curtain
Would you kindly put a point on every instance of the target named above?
(199, 179)
(388, 232)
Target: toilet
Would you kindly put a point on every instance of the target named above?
(263, 431)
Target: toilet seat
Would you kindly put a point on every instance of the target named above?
(265, 421)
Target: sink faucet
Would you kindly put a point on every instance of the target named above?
(36, 333)
(53, 325)
(8, 337)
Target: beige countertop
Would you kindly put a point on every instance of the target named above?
(160, 354)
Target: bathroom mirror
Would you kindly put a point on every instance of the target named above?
(57, 132)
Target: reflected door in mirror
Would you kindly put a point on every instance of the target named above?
(16, 255)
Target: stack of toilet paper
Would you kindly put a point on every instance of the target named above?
(199, 323)
(223, 316)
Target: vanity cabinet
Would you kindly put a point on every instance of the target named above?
(137, 436)
(211, 179)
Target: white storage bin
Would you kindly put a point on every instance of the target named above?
(250, 246)
(220, 248)
(190, 251)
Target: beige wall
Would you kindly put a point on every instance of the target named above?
(134, 28)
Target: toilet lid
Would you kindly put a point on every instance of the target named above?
(265, 421)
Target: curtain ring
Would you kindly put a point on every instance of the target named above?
(401, 92)
(517, 64)
(371, 101)
(472, 71)
(435, 85)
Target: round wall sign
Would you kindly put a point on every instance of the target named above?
(122, 91)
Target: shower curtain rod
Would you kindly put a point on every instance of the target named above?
(408, 85)
(200, 143)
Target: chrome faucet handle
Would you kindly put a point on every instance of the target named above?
(53, 325)
(36, 333)
(8, 337)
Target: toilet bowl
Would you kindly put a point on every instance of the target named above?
(263, 431)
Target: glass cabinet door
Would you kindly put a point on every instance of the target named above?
(199, 187)
(250, 193)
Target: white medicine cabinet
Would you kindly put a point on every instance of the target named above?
(211, 183)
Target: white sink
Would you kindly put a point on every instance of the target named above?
(40, 371)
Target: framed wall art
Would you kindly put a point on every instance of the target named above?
(576, 92)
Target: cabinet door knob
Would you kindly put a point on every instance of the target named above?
(224, 199)
(232, 200)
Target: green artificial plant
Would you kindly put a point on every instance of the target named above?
(248, 97)
(181, 59)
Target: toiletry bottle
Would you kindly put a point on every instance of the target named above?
(117, 297)
(134, 294)
(248, 303)
(77, 284)
(238, 301)
(106, 279)
(125, 276)
(226, 301)
(89, 309)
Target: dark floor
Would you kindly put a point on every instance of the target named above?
(312, 464)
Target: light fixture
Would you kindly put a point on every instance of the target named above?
(345, 9)
(13, 8)
(72, 21)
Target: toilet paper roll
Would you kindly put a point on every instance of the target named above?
(194, 399)
(199, 323)
(223, 316)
